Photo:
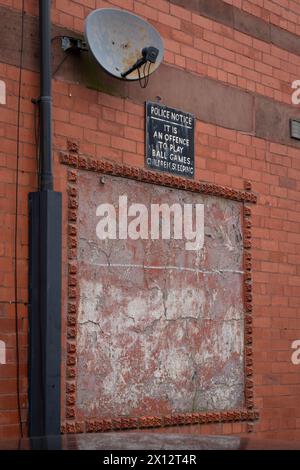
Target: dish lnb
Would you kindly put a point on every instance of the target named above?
(125, 45)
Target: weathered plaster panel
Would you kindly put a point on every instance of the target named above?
(160, 328)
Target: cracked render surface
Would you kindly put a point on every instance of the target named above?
(160, 328)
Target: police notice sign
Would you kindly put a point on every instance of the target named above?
(169, 140)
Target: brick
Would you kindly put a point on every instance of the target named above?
(67, 6)
(68, 130)
(214, 165)
(8, 417)
(169, 20)
(82, 120)
(225, 54)
(203, 22)
(287, 182)
(182, 37)
(123, 144)
(227, 134)
(134, 134)
(180, 61)
(145, 11)
(111, 101)
(97, 137)
(162, 5)
(179, 12)
(134, 108)
(190, 52)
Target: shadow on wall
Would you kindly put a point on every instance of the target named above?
(2, 353)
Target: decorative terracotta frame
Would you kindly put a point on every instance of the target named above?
(76, 162)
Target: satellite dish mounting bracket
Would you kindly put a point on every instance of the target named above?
(75, 45)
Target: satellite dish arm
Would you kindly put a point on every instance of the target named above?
(136, 66)
(149, 55)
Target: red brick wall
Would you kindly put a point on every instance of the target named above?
(110, 126)
(283, 13)
(205, 47)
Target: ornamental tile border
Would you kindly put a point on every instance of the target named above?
(76, 162)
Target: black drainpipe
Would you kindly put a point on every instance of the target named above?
(45, 226)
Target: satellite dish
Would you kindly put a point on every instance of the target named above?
(124, 44)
